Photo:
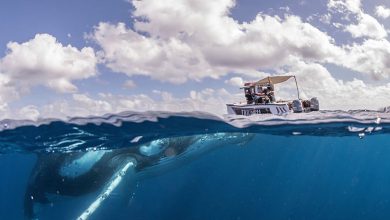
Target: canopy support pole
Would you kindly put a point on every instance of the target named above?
(297, 86)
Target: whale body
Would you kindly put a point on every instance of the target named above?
(80, 173)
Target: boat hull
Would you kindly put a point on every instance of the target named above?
(255, 109)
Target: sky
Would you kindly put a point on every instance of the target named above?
(78, 58)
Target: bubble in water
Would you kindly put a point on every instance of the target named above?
(369, 129)
(355, 129)
(361, 135)
(136, 139)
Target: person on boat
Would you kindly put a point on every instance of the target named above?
(270, 93)
(266, 93)
(260, 97)
(248, 96)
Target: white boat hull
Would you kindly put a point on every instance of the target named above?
(252, 109)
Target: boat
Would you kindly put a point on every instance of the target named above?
(260, 99)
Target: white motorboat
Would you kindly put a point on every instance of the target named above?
(260, 99)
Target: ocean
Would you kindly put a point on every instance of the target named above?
(161, 165)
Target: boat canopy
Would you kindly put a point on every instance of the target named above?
(273, 80)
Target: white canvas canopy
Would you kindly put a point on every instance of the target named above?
(273, 80)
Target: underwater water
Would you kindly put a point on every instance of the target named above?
(157, 165)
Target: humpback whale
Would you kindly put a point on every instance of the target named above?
(80, 173)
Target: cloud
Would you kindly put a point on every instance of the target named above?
(235, 81)
(129, 52)
(365, 26)
(382, 11)
(7, 92)
(370, 57)
(209, 100)
(183, 41)
(179, 41)
(316, 81)
(30, 112)
(44, 61)
(129, 84)
(345, 6)
(326, 18)
(87, 104)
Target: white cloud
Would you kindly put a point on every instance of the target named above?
(45, 61)
(87, 105)
(326, 18)
(382, 11)
(235, 81)
(261, 47)
(370, 57)
(30, 112)
(177, 41)
(316, 81)
(366, 25)
(129, 84)
(129, 52)
(337, 25)
(345, 6)
(7, 91)
(209, 100)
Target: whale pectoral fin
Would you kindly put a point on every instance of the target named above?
(128, 168)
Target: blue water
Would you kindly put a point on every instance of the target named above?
(205, 167)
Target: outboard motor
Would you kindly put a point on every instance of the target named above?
(297, 106)
(314, 104)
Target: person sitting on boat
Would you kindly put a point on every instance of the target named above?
(260, 98)
(248, 96)
(270, 93)
(266, 94)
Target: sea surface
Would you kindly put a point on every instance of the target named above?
(161, 165)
